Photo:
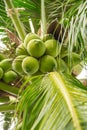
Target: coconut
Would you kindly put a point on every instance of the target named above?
(74, 59)
(29, 37)
(6, 64)
(36, 48)
(47, 64)
(1, 72)
(17, 64)
(20, 50)
(52, 47)
(30, 65)
(10, 76)
(61, 65)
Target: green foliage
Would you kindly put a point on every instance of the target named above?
(4, 20)
(54, 101)
(54, 9)
(63, 9)
(77, 32)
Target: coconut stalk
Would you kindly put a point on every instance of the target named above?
(7, 107)
(9, 89)
(14, 15)
(43, 19)
(4, 99)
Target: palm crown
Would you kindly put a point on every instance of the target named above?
(55, 100)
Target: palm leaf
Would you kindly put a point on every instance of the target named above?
(4, 20)
(32, 10)
(54, 102)
(63, 10)
(77, 33)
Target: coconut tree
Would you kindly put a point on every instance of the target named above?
(51, 98)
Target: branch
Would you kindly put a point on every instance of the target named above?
(13, 14)
(43, 19)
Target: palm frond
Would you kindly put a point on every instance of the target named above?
(63, 10)
(54, 102)
(4, 20)
(77, 33)
(28, 9)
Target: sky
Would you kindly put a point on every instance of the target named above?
(2, 121)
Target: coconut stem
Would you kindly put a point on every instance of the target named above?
(13, 14)
(9, 89)
(43, 19)
(4, 99)
(7, 107)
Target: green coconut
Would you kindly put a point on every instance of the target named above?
(47, 37)
(64, 50)
(47, 64)
(1, 72)
(52, 47)
(10, 76)
(30, 65)
(61, 65)
(36, 48)
(6, 64)
(74, 59)
(17, 64)
(20, 50)
(29, 37)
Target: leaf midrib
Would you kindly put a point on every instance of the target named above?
(57, 79)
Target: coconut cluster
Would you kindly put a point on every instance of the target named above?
(36, 55)
(7, 74)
